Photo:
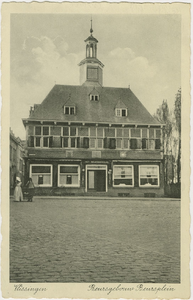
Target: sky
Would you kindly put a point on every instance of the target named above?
(140, 51)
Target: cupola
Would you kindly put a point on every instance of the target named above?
(91, 69)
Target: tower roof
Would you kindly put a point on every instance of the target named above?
(91, 37)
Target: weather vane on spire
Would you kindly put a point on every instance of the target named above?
(91, 30)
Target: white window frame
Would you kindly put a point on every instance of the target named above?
(37, 136)
(44, 165)
(68, 185)
(69, 110)
(149, 186)
(123, 186)
(120, 110)
(43, 130)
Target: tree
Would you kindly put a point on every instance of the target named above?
(177, 113)
(164, 116)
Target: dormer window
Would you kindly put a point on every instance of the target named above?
(94, 97)
(121, 112)
(69, 110)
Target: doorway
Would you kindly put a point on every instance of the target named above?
(96, 179)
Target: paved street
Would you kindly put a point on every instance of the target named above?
(66, 240)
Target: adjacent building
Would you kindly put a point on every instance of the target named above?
(94, 140)
(17, 163)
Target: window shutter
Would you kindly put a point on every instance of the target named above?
(112, 144)
(78, 142)
(31, 141)
(144, 143)
(50, 141)
(133, 144)
(86, 142)
(157, 144)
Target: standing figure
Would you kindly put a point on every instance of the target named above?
(31, 189)
(18, 195)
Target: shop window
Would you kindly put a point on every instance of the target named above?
(41, 175)
(148, 176)
(123, 176)
(69, 175)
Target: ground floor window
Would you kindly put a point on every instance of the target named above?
(123, 175)
(41, 175)
(69, 175)
(148, 175)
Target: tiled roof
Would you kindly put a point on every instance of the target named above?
(92, 111)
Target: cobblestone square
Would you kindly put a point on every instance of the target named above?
(84, 240)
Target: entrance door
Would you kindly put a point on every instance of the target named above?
(96, 180)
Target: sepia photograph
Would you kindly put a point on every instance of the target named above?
(95, 166)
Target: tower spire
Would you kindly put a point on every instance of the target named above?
(91, 30)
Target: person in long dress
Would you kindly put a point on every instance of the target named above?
(18, 195)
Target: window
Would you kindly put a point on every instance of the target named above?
(45, 130)
(123, 176)
(135, 132)
(41, 175)
(69, 110)
(55, 130)
(92, 143)
(149, 176)
(38, 130)
(69, 175)
(37, 141)
(121, 112)
(94, 97)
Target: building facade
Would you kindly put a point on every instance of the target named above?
(94, 140)
(17, 163)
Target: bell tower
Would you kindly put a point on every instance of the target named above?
(91, 69)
